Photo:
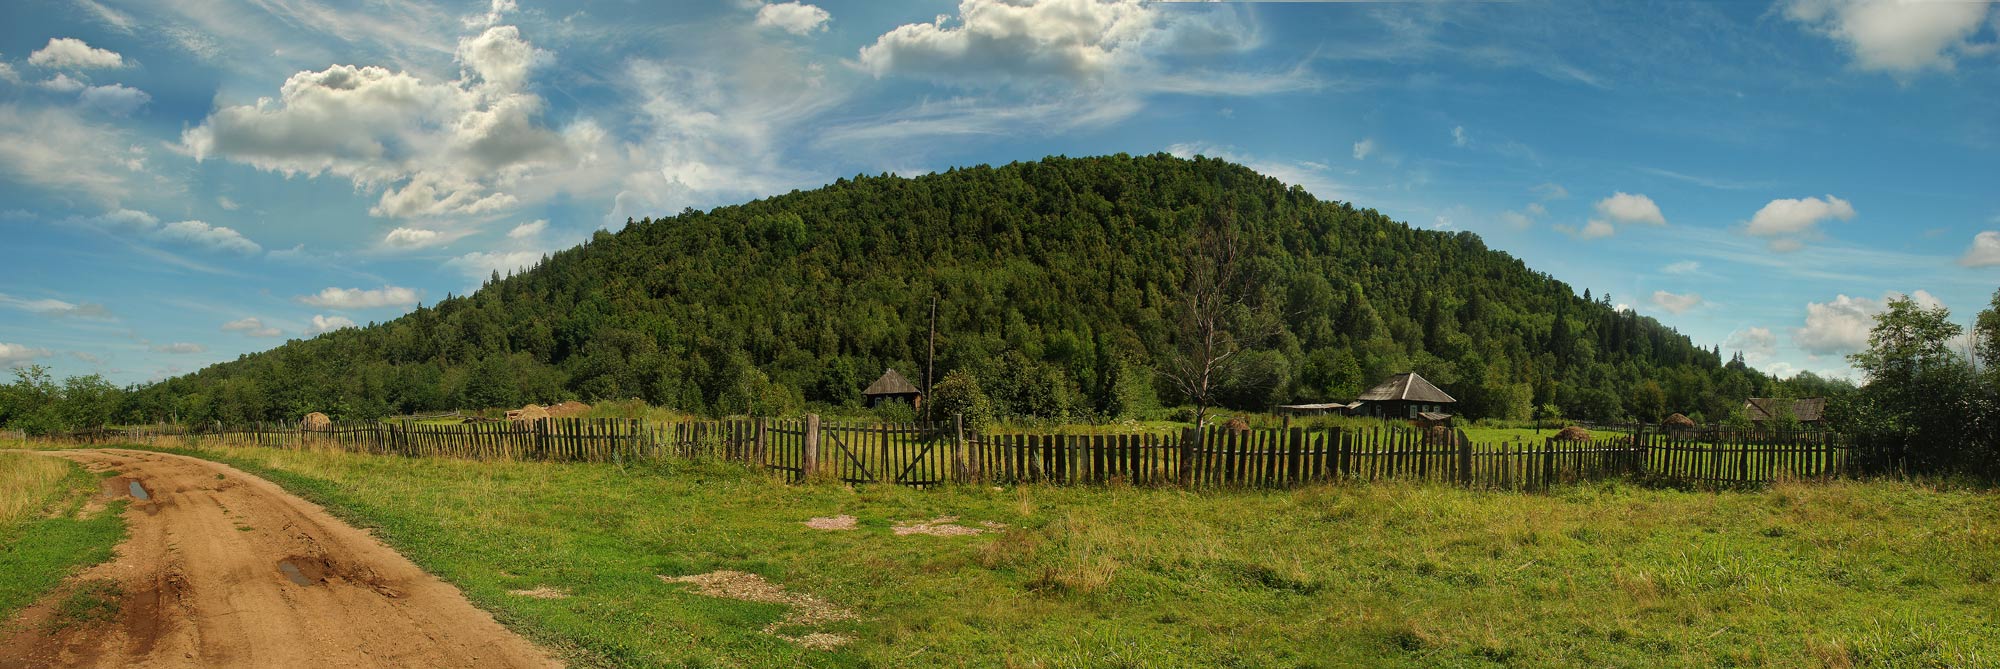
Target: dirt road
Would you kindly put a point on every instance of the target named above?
(223, 569)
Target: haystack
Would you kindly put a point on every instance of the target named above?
(316, 422)
(1573, 433)
(528, 414)
(1237, 424)
(1678, 422)
(570, 409)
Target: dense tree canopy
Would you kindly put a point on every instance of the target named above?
(1055, 283)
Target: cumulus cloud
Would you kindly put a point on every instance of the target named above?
(1593, 229)
(55, 308)
(180, 348)
(1009, 41)
(211, 237)
(15, 355)
(1624, 207)
(322, 324)
(792, 17)
(62, 83)
(528, 229)
(1757, 344)
(410, 238)
(1899, 36)
(1458, 137)
(1363, 148)
(356, 298)
(69, 53)
(251, 327)
(433, 148)
(115, 99)
(1788, 223)
(1674, 303)
(1985, 251)
(1842, 325)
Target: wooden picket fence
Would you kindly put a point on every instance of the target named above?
(936, 453)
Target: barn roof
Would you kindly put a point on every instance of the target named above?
(1406, 386)
(1805, 411)
(891, 383)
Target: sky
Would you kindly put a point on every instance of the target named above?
(186, 181)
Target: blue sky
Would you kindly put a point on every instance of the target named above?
(186, 181)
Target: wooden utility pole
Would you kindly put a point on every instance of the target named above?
(930, 363)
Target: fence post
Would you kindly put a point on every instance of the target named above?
(1464, 459)
(1190, 441)
(959, 470)
(757, 456)
(812, 445)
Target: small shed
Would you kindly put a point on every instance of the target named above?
(1404, 396)
(1320, 409)
(892, 387)
(1809, 411)
(1431, 419)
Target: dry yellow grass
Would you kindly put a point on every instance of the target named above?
(28, 482)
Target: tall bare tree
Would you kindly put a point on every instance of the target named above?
(1216, 320)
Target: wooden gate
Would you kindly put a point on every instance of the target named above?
(911, 454)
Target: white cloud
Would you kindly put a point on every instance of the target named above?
(212, 237)
(1592, 229)
(1458, 137)
(792, 17)
(69, 53)
(1551, 191)
(528, 229)
(111, 17)
(356, 298)
(1788, 222)
(1026, 40)
(1518, 220)
(495, 13)
(431, 148)
(15, 355)
(52, 148)
(62, 83)
(1683, 267)
(55, 308)
(1624, 207)
(323, 324)
(226, 203)
(115, 99)
(1900, 36)
(1757, 344)
(1363, 148)
(251, 327)
(410, 238)
(1675, 303)
(180, 348)
(87, 357)
(1842, 325)
(1313, 176)
(1985, 250)
(480, 265)
(8, 74)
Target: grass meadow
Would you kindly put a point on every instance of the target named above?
(1842, 574)
(47, 531)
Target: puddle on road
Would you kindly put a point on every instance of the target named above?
(302, 571)
(139, 491)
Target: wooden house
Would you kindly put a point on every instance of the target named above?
(1810, 411)
(1404, 396)
(892, 387)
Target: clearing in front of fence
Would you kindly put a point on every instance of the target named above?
(1393, 573)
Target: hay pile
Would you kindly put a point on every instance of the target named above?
(316, 422)
(571, 409)
(528, 414)
(1678, 422)
(1237, 424)
(1573, 433)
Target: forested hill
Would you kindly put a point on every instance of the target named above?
(1056, 283)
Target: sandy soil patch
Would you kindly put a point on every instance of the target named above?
(806, 610)
(235, 572)
(842, 522)
(540, 592)
(941, 526)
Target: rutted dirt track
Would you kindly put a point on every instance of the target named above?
(223, 569)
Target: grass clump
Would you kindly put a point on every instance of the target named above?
(1386, 574)
(91, 601)
(47, 532)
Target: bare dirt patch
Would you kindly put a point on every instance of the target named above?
(541, 592)
(194, 587)
(941, 526)
(806, 610)
(842, 522)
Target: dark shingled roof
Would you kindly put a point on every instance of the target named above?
(1406, 386)
(891, 383)
(1805, 411)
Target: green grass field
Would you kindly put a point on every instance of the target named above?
(46, 533)
(1610, 574)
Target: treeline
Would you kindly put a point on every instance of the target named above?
(1940, 404)
(1055, 285)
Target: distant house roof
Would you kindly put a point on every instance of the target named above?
(1406, 386)
(891, 383)
(1433, 417)
(1328, 406)
(1809, 410)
